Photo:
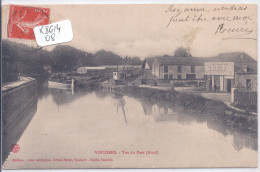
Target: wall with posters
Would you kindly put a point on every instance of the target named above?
(220, 76)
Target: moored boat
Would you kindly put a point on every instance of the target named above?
(58, 85)
(60, 82)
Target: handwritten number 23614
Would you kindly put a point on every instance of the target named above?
(50, 31)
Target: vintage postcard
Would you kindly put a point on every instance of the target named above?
(129, 86)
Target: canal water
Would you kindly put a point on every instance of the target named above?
(99, 129)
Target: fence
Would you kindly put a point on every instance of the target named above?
(245, 99)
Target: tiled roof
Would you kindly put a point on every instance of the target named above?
(241, 60)
(169, 60)
(237, 57)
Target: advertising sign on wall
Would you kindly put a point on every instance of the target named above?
(219, 68)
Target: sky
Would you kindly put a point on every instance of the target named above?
(141, 30)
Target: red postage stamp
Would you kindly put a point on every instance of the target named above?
(15, 148)
(23, 19)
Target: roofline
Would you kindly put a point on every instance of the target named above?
(179, 65)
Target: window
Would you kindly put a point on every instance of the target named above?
(248, 84)
(247, 69)
(191, 76)
(179, 69)
(166, 77)
(165, 69)
(179, 76)
(192, 69)
(170, 76)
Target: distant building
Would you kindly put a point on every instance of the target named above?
(107, 70)
(110, 69)
(178, 68)
(147, 72)
(219, 73)
(116, 76)
(147, 67)
(231, 70)
(92, 71)
(149, 62)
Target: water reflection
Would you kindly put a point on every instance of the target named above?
(63, 97)
(243, 138)
(163, 113)
(98, 120)
(120, 103)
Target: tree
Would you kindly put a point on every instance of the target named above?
(182, 52)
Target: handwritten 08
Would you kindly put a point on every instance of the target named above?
(54, 33)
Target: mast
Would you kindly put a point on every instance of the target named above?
(123, 70)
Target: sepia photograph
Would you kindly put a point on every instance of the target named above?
(129, 86)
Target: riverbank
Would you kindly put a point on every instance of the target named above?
(11, 85)
(207, 108)
(19, 104)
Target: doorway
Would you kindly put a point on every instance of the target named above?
(229, 85)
